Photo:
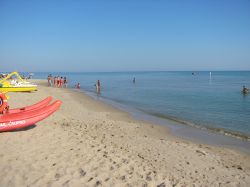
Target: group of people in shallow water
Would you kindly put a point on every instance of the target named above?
(57, 81)
(62, 82)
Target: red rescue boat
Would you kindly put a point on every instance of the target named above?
(38, 105)
(22, 119)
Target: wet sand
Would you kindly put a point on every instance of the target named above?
(89, 143)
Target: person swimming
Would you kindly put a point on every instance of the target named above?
(245, 90)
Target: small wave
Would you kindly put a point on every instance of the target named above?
(222, 131)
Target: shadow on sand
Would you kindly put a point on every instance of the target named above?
(22, 129)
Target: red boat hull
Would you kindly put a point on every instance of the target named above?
(19, 120)
(38, 105)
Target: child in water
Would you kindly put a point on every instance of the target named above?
(78, 86)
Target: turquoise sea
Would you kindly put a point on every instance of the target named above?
(198, 99)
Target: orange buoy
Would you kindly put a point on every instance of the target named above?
(3, 103)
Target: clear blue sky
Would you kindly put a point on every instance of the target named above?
(113, 35)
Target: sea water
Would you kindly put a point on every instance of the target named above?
(202, 99)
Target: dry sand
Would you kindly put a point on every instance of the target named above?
(88, 143)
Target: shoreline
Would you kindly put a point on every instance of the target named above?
(176, 128)
(182, 129)
(87, 142)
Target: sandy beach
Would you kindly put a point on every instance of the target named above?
(89, 143)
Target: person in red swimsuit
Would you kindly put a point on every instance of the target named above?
(61, 82)
(58, 82)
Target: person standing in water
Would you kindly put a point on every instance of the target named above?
(61, 83)
(65, 82)
(55, 81)
(98, 86)
(58, 82)
(49, 80)
(134, 80)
